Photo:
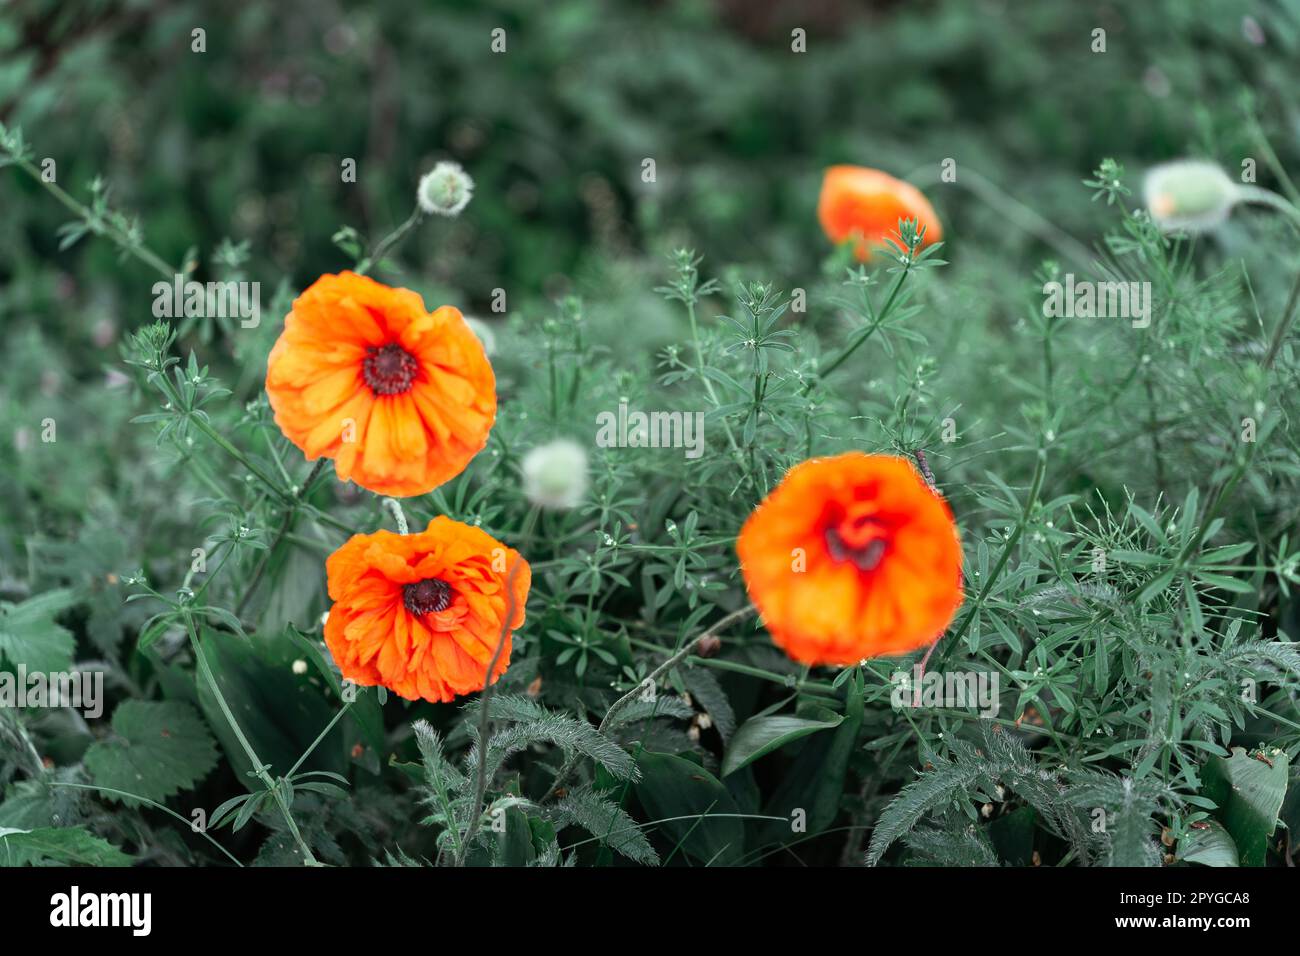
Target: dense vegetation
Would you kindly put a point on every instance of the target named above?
(1125, 491)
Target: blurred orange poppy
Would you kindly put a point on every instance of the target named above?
(865, 204)
(852, 557)
(421, 614)
(399, 397)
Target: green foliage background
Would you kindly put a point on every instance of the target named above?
(1121, 690)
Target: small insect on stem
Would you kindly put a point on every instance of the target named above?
(924, 465)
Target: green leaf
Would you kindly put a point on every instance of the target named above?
(160, 748)
(1012, 834)
(690, 807)
(1210, 846)
(536, 724)
(515, 843)
(57, 846)
(1249, 794)
(815, 781)
(29, 636)
(607, 822)
(280, 712)
(760, 736)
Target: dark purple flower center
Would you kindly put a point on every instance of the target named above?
(389, 370)
(859, 538)
(865, 557)
(422, 597)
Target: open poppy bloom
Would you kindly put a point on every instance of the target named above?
(852, 557)
(866, 204)
(399, 397)
(421, 614)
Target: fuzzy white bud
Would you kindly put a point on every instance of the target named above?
(555, 474)
(445, 190)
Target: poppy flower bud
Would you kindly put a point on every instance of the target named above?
(445, 190)
(555, 474)
(1189, 195)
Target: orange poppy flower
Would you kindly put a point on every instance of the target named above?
(852, 557)
(866, 204)
(399, 397)
(421, 614)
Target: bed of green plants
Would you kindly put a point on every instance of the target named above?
(1124, 486)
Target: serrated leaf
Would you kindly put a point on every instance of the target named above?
(57, 846)
(608, 822)
(159, 749)
(30, 637)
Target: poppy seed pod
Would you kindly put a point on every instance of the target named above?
(1189, 195)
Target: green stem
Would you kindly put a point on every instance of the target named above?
(285, 523)
(394, 507)
(1266, 197)
(258, 767)
(98, 226)
(157, 806)
(676, 658)
(1284, 324)
(708, 383)
(316, 743)
(389, 241)
(485, 716)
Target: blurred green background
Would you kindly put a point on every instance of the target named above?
(244, 141)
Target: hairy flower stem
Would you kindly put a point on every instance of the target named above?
(386, 244)
(485, 716)
(1266, 197)
(259, 768)
(394, 508)
(1284, 324)
(680, 655)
